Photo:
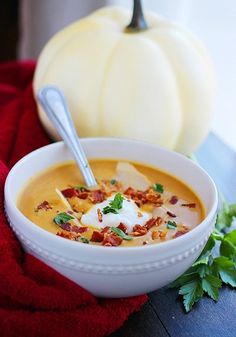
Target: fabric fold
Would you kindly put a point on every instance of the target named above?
(35, 300)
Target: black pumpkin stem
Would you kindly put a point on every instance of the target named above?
(138, 22)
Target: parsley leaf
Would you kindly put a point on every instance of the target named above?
(114, 205)
(226, 215)
(113, 181)
(228, 244)
(211, 285)
(84, 240)
(206, 254)
(117, 202)
(171, 225)
(81, 188)
(120, 233)
(185, 278)
(215, 265)
(62, 218)
(226, 270)
(158, 188)
(109, 209)
(192, 292)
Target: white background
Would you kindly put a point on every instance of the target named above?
(214, 22)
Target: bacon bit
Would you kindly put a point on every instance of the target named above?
(97, 236)
(139, 197)
(138, 203)
(129, 191)
(83, 195)
(97, 196)
(68, 235)
(162, 234)
(183, 230)
(139, 230)
(154, 197)
(78, 229)
(99, 213)
(64, 235)
(171, 214)
(73, 228)
(105, 229)
(150, 223)
(155, 235)
(69, 212)
(159, 221)
(112, 240)
(145, 242)
(66, 226)
(140, 214)
(173, 200)
(123, 227)
(44, 205)
(153, 222)
(180, 233)
(190, 205)
(70, 192)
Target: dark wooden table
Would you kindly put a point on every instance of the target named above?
(163, 315)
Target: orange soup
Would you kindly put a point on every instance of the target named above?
(132, 204)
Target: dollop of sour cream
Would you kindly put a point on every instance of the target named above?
(129, 215)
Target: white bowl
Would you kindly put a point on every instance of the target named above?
(113, 271)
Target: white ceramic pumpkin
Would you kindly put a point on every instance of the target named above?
(154, 84)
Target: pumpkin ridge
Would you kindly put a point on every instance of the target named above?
(178, 94)
(190, 82)
(167, 134)
(107, 67)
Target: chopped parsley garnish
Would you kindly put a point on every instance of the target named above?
(62, 218)
(81, 188)
(120, 233)
(114, 205)
(158, 188)
(113, 181)
(171, 225)
(109, 209)
(84, 240)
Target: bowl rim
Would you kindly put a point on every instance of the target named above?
(120, 250)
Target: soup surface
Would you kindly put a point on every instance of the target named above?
(132, 205)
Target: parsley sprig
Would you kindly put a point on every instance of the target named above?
(120, 233)
(114, 205)
(158, 188)
(62, 218)
(171, 225)
(215, 266)
(81, 188)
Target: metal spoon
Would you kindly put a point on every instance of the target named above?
(54, 104)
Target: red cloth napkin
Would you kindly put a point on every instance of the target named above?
(34, 299)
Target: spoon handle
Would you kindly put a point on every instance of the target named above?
(53, 102)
